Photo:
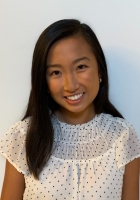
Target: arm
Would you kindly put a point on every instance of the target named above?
(131, 181)
(14, 184)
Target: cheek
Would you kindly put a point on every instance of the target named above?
(54, 87)
(91, 79)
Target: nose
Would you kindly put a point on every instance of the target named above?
(71, 83)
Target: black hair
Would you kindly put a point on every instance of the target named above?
(39, 140)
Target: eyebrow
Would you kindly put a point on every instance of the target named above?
(74, 62)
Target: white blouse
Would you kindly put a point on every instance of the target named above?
(87, 162)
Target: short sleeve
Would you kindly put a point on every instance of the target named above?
(12, 146)
(127, 147)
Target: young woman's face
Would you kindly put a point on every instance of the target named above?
(72, 75)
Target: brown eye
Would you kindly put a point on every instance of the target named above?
(81, 66)
(55, 73)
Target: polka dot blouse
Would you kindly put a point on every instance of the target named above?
(87, 162)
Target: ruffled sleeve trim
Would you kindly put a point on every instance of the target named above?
(127, 145)
(12, 145)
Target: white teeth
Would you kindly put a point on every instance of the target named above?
(75, 97)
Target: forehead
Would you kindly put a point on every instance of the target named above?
(71, 48)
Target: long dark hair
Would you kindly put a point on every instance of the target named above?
(39, 140)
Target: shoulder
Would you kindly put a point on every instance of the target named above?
(19, 127)
(24, 124)
(116, 123)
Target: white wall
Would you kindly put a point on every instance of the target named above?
(117, 25)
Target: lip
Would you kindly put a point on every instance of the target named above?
(74, 101)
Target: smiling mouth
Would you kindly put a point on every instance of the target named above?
(75, 97)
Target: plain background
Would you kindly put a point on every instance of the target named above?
(117, 25)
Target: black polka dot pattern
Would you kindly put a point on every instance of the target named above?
(12, 145)
(87, 162)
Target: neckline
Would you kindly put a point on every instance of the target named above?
(69, 133)
(94, 120)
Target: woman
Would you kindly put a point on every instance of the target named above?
(72, 142)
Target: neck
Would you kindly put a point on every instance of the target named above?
(75, 118)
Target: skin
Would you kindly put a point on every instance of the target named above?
(73, 69)
(69, 79)
(131, 181)
(13, 185)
